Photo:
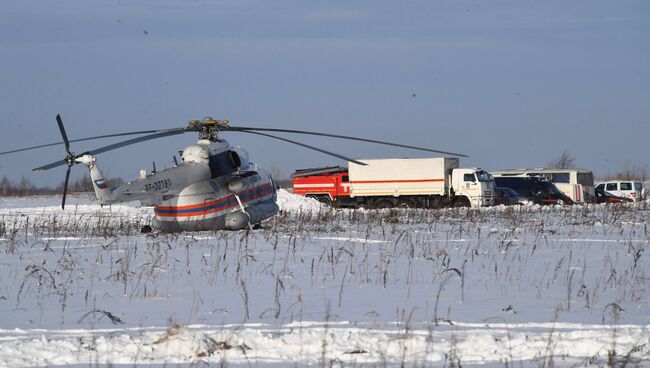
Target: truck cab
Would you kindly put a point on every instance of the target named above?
(474, 184)
(326, 184)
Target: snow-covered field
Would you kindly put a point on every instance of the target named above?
(528, 286)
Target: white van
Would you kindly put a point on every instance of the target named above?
(623, 188)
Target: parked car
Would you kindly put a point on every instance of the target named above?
(577, 184)
(607, 197)
(508, 197)
(534, 188)
(623, 188)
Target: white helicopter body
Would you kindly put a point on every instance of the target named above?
(214, 187)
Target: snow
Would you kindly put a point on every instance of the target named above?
(344, 343)
(294, 203)
(556, 285)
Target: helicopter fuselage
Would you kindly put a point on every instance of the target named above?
(215, 187)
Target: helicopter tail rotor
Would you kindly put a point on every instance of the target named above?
(65, 186)
(63, 133)
(69, 158)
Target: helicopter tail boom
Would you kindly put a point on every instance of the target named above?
(103, 191)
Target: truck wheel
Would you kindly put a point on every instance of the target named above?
(384, 203)
(406, 203)
(461, 202)
(321, 198)
(439, 202)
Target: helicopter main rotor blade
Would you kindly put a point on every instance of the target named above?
(63, 134)
(131, 141)
(344, 137)
(110, 147)
(306, 146)
(52, 165)
(87, 139)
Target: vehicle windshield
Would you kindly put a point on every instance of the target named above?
(552, 189)
(603, 193)
(638, 186)
(484, 176)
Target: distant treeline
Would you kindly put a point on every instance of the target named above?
(629, 172)
(25, 187)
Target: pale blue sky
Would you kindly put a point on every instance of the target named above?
(511, 83)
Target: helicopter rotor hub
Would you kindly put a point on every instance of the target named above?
(208, 128)
(70, 159)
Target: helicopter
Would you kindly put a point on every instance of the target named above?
(215, 186)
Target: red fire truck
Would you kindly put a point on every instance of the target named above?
(326, 184)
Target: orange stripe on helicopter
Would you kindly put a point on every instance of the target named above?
(205, 204)
(214, 206)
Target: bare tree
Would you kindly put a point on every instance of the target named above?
(5, 186)
(564, 161)
(83, 184)
(25, 187)
(630, 172)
